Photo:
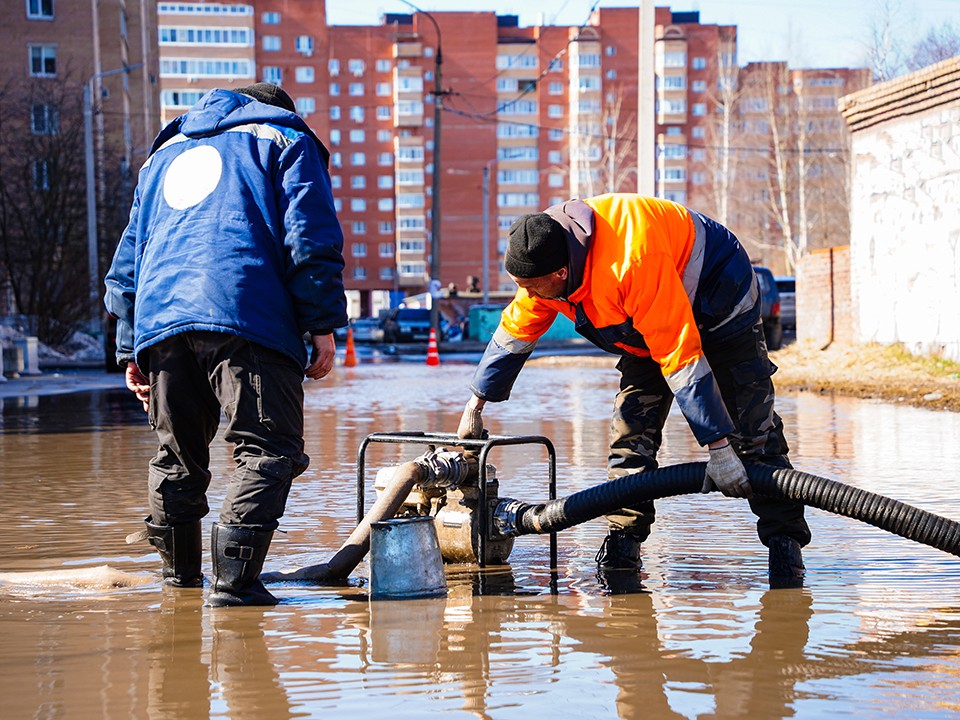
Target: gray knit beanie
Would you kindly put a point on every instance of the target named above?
(537, 246)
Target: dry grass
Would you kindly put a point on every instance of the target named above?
(885, 372)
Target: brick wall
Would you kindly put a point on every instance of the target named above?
(824, 300)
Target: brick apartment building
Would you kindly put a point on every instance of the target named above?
(545, 113)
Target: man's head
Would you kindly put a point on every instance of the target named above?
(269, 94)
(537, 255)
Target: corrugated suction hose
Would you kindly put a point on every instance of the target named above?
(684, 479)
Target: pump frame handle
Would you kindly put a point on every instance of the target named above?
(485, 445)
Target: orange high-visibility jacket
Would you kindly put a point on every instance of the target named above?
(647, 277)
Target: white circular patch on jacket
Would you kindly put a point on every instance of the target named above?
(192, 176)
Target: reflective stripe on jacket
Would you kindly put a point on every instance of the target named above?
(647, 276)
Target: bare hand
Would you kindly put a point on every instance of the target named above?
(322, 357)
(138, 384)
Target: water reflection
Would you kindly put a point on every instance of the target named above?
(875, 631)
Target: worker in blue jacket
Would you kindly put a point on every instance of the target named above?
(232, 257)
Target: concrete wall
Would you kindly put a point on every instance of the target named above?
(824, 301)
(905, 210)
(905, 241)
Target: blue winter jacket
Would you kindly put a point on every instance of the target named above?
(232, 230)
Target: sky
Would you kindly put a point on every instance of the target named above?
(806, 33)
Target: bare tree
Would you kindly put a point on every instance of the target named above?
(940, 43)
(604, 158)
(724, 99)
(884, 44)
(43, 249)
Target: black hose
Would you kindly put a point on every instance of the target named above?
(883, 512)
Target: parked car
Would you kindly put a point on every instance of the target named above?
(787, 286)
(770, 308)
(406, 325)
(365, 329)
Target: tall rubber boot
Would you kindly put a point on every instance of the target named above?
(238, 555)
(180, 548)
(785, 562)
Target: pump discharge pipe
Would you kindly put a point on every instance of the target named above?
(513, 517)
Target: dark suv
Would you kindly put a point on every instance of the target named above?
(406, 325)
(770, 308)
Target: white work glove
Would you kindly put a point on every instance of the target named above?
(726, 472)
(471, 422)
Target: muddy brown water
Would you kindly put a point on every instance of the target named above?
(874, 633)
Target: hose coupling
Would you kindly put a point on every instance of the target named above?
(506, 517)
(443, 468)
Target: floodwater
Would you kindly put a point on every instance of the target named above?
(874, 633)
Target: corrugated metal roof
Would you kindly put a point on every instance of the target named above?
(927, 88)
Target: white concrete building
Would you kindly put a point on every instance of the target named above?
(905, 210)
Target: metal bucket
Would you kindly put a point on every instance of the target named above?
(405, 560)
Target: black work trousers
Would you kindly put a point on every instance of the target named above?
(194, 376)
(743, 372)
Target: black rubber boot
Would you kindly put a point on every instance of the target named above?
(620, 551)
(786, 562)
(180, 548)
(238, 555)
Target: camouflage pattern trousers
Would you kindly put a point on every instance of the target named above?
(744, 374)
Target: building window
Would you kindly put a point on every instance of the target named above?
(554, 180)
(699, 86)
(383, 66)
(334, 89)
(41, 175)
(384, 113)
(698, 178)
(698, 155)
(333, 67)
(386, 273)
(305, 45)
(334, 112)
(358, 159)
(611, 74)
(356, 113)
(43, 60)
(271, 43)
(358, 205)
(44, 119)
(270, 18)
(306, 106)
(555, 111)
(384, 89)
(359, 227)
(385, 204)
(40, 9)
(357, 136)
(554, 157)
(304, 74)
(555, 134)
(336, 160)
(356, 89)
(359, 273)
(413, 268)
(272, 74)
(697, 132)
(386, 250)
(675, 59)
(699, 109)
(180, 98)
(385, 182)
(338, 205)
(385, 159)
(699, 63)
(336, 182)
(358, 182)
(386, 228)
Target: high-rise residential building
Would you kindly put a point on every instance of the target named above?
(531, 116)
(203, 45)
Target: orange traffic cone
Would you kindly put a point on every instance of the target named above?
(350, 358)
(433, 357)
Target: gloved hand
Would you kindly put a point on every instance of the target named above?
(471, 422)
(725, 470)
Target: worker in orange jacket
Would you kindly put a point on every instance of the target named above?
(674, 294)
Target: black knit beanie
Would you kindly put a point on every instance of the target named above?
(269, 94)
(537, 247)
